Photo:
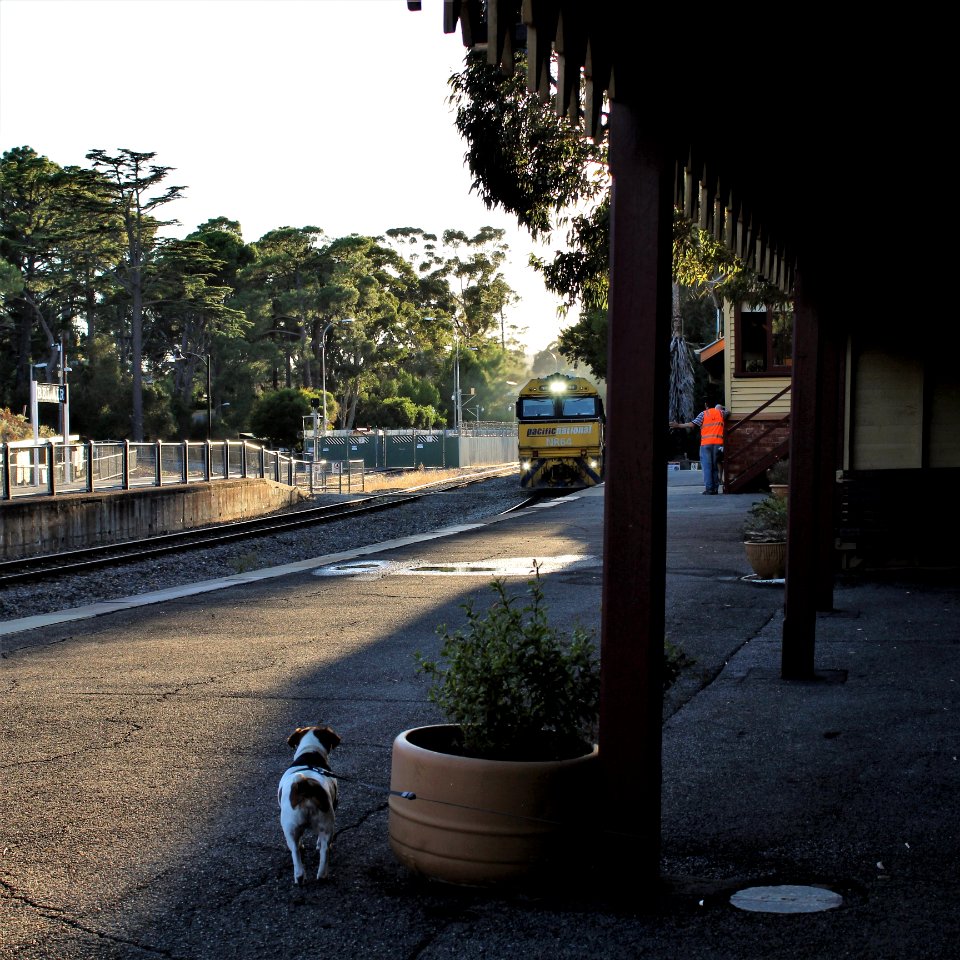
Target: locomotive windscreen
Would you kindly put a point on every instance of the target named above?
(579, 407)
(537, 407)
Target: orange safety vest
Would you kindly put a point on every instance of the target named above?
(711, 430)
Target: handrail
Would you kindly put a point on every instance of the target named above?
(30, 469)
(776, 424)
(763, 406)
(756, 467)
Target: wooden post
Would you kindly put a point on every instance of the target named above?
(832, 369)
(634, 562)
(804, 513)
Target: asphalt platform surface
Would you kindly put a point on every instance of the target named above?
(142, 744)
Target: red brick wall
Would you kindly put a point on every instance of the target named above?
(737, 460)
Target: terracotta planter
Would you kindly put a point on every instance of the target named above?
(769, 560)
(481, 822)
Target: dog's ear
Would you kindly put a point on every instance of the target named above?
(296, 736)
(328, 737)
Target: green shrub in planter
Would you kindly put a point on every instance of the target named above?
(518, 688)
(766, 521)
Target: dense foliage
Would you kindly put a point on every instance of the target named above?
(526, 160)
(86, 265)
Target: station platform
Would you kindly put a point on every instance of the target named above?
(143, 744)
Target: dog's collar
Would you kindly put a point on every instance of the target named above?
(311, 760)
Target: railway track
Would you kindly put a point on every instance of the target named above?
(86, 560)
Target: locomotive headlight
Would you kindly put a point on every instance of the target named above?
(525, 466)
(558, 386)
(593, 464)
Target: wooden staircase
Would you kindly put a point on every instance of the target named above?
(751, 446)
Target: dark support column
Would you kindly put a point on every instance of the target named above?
(634, 565)
(800, 593)
(830, 443)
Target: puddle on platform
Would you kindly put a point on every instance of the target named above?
(506, 567)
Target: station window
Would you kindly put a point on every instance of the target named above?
(764, 342)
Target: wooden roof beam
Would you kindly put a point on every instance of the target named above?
(540, 19)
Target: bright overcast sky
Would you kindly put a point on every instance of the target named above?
(326, 113)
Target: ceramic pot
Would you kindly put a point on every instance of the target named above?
(481, 822)
(769, 560)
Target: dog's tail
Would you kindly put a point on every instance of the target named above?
(308, 791)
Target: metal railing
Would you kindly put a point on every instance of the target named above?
(47, 469)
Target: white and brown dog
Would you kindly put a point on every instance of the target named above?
(308, 795)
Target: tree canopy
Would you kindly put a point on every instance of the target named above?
(531, 163)
(85, 259)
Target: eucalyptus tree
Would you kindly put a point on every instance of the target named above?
(461, 274)
(90, 242)
(378, 290)
(36, 228)
(361, 303)
(464, 289)
(134, 190)
(280, 285)
(190, 314)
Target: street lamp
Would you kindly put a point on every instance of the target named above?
(65, 402)
(457, 393)
(60, 347)
(205, 360)
(456, 398)
(323, 368)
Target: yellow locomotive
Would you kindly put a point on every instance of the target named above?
(560, 433)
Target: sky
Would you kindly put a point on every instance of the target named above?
(325, 113)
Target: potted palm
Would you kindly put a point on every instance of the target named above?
(765, 537)
(501, 789)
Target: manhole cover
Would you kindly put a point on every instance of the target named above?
(786, 899)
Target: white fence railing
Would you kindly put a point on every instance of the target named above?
(28, 469)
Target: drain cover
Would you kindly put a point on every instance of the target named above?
(786, 899)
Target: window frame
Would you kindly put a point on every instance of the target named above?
(772, 370)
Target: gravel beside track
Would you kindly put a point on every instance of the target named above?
(431, 512)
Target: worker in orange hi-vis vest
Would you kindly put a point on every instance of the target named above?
(710, 421)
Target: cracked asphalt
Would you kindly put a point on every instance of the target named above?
(142, 749)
